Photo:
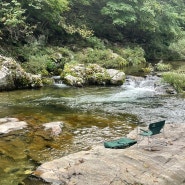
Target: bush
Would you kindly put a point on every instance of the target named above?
(134, 56)
(105, 58)
(38, 59)
(163, 67)
(177, 80)
(178, 48)
(36, 64)
(95, 42)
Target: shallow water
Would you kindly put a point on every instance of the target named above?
(90, 116)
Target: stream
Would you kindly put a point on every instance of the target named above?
(90, 115)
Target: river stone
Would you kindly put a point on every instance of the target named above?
(163, 165)
(11, 124)
(13, 76)
(56, 127)
(91, 74)
(74, 81)
(116, 77)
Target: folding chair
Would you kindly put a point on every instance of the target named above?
(153, 129)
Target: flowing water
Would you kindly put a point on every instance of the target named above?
(89, 115)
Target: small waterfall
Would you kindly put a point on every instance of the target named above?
(58, 82)
(137, 87)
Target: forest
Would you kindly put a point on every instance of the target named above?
(44, 35)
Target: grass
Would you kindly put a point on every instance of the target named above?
(163, 67)
(176, 79)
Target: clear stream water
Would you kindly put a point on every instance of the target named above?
(90, 115)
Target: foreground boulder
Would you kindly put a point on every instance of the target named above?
(13, 76)
(164, 165)
(91, 74)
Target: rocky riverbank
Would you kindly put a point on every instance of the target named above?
(13, 76)
(163, 165)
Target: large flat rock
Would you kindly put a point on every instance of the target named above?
(163, 165)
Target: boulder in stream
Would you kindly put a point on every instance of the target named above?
(56, 127)
(91, 74)
(11, 124)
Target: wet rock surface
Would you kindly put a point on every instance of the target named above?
(55, 127)
(163, 165)
(11, 124)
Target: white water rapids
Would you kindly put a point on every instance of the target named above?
(144, 97)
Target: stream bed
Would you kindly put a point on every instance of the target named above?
(90, 115)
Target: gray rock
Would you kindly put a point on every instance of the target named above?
(164, 165)
(91, 74)
(116, 77)
(12, 76)
(74, 81)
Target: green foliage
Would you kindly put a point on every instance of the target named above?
(163, 67)
(148, 69)
(134, 56)
(12, 14)
(95, 42)
(146, 22)
(181, 69)
(12, 21)
(178, 48)
(44, 60)
(177, 80)
(120, 12)
(155, 27)
(139, 13)
(82, 30)
(105, 58)
(36, 64)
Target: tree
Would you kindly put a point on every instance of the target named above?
(151, 23)
(12, 20)
(22, 18)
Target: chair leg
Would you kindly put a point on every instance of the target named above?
(149, 144)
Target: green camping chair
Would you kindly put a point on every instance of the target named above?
(153, 129)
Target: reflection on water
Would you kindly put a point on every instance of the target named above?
(21, 151)
(90, 116)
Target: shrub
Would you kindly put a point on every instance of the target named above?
(134, 56)
(95, 42)
(178, 48)
(105, 58)
(36, 64)
(163, 67)
(44, 60)
(177, 80)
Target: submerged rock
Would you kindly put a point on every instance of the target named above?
(164, 164)
(11, 124)
(56, 127)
